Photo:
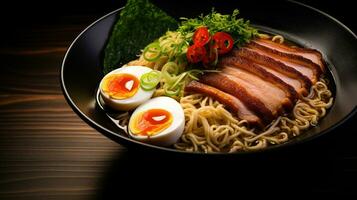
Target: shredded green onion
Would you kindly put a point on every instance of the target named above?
(168, 78)
(150, 80)
(193, 74)
(173, 91)
(173, 84)
(179, 79)
(169, 72)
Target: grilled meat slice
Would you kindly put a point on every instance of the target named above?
(233, 103)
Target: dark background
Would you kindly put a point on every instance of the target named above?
(19, 15)
(327, 165)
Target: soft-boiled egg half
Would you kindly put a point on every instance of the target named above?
(159, 121)
(120, 89)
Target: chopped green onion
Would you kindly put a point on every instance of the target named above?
(150, 80)
(171, 68)
(152, 52)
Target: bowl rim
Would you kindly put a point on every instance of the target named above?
(115, 136)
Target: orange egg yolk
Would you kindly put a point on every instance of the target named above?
(151, 122)
(120, 86)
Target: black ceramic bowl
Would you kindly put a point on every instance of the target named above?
(82, 66)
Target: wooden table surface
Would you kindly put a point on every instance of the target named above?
(48, 152)
(42, 141)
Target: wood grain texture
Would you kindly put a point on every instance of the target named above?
(46, 150)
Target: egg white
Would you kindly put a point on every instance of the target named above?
(134, 101)
(169, 135)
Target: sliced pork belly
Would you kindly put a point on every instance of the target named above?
(237, 89)
(261, 74)
(312, 72)
(289, 75)
(301, 64)
(230, 101)
(273, 97)
(310, 54)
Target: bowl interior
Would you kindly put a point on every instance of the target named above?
(82, 65)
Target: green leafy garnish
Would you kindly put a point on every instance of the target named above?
(139, 23)
(238, 28)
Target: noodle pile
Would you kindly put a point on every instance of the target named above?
(211, 128)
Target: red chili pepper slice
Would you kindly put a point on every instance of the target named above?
(223, 42)
(201, 36)
(195, 53)
(212, 57)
